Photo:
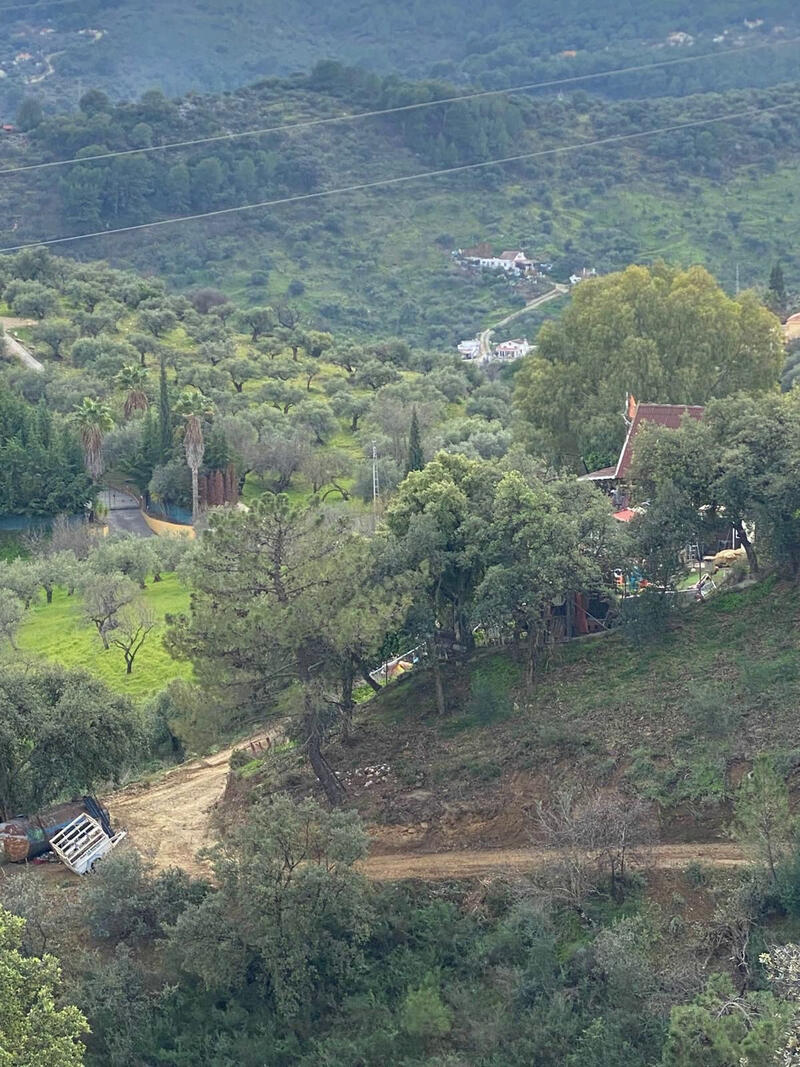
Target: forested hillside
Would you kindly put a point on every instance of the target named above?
(377, 262)
(178, 46)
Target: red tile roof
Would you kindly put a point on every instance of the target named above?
(481, 251)
(669, 415)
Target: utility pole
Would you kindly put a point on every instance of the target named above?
(737, 279)
(376, 486)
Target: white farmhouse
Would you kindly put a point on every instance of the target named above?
(507, 351)
(515, 261)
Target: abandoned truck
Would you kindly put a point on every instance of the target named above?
(79, 833)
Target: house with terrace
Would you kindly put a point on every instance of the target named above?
(613, 480)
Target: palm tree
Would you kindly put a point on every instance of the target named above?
(131, 379)
(192, 406)
(94, 420)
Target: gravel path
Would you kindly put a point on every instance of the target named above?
(15, 348)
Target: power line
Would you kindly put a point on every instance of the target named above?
(384, 182)
(477, 95)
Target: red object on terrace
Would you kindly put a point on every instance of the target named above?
(625, 515)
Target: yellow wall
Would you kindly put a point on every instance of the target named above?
(168, 529)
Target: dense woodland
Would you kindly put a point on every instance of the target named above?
(204, 47)
(41, 462)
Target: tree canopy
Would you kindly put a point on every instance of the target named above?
(34, 1030)
(661, 334)
(61, 732)
(41, 468)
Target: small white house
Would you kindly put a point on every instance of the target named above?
(515, 261)
(507, 351)
(470, 349)
(574, 279)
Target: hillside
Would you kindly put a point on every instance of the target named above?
(470, 782)
(115, 45)
(676, 721)
(378, 263)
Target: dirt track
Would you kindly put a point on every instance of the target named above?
(443, 865)
(169, 822)
(15, 348)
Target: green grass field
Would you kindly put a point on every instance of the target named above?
(58, 632)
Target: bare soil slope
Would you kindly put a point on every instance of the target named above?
(169, 820)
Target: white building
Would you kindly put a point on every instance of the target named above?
(470, 349)
(510, 350)
(584, 274)
(513, 261)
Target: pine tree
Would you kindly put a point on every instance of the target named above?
(416, 458)
(164, 414)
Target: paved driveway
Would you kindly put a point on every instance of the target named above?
(123, 514)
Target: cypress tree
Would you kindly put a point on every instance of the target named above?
(776, 295)
(164, 413)
(416, 458)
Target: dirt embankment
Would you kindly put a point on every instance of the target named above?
(170, 819)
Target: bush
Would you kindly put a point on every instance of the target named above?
(710, 711)
(240, 757)
(697, 875)
(788, 884)
(160, 713)
(123, 901)
(487, 701)
(645, 617)
(424, 1014)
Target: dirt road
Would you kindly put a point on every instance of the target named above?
(440, 866)
(486, 336)
(15, 348)
(169, 821)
